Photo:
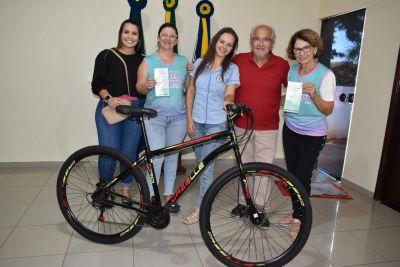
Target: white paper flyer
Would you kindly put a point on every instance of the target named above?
(293, 97)
(162, 81)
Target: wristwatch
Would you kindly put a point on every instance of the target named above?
(107, 98)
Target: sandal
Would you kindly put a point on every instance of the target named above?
(192, 218)
(171, 207)
(126, 195)
(295, 229)
(286, 220)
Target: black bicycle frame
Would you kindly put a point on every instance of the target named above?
(149, 154)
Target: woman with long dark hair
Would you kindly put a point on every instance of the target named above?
(212, 86)
(111, 85)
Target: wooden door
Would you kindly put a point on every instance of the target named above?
(388, 183)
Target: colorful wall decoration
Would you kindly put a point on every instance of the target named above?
(135, 14)
(204, 10)
(170, 6)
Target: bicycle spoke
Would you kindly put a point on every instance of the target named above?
(94, 213)
(246, 237)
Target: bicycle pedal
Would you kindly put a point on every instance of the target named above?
(172, 207)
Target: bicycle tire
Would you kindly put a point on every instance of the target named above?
(234, 239)
(95, 220)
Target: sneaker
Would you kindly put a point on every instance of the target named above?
(239, 210)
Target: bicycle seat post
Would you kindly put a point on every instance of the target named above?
(146, 140)
(149, 164)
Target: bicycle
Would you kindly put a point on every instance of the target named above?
(250, 236)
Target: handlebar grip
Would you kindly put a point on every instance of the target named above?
(237, 107)
(232, 107)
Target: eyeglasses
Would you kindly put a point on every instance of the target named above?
(257, 39)
(166, 35)
(305, 49)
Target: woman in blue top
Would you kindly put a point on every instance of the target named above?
(166, 96)
(304, 133)
(212, 86)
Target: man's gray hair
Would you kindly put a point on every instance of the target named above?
(256, 27)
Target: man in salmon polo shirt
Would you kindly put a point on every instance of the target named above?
(263, 77)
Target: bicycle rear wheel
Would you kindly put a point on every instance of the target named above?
(94, 213)
(234, 237)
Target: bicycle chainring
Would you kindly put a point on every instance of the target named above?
(159, 218)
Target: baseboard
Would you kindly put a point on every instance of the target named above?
(34, 164)
(357, 188)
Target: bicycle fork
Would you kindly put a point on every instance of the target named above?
(258, 218)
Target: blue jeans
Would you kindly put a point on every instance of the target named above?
(165, 131)
(125, 136)
(206, 178)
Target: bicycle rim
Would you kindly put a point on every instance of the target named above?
(235, 239)
(93, 217)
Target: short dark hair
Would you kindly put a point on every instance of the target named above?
(140, 46)
(308, 36)
(168, 25)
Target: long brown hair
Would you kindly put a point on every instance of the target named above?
(139, 49)
(210, 55)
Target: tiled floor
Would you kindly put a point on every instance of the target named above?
(359, 232)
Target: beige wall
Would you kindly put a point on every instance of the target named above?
(378, 58)
(48, 47)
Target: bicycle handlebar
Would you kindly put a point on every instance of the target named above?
(237, 108)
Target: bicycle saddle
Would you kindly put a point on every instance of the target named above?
(136, 111)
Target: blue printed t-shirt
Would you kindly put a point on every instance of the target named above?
(210, 92)
(174, 104)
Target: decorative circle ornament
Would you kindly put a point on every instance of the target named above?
(170, 5)
(205, 9)
(138, 4)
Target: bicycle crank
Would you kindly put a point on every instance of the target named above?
(158, 218)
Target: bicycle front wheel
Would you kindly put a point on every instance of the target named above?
(101, 215)
(238, 237)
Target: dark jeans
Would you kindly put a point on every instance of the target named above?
(301, 153)
(125, 136)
